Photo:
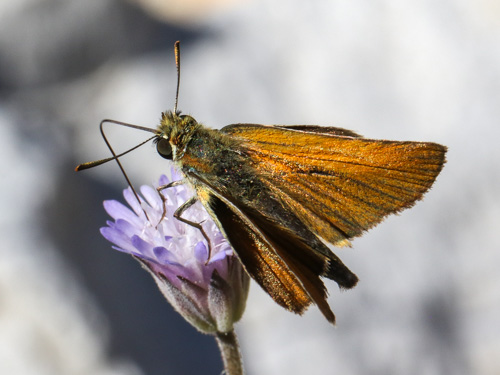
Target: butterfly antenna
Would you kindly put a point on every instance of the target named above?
(95, 163)
(116, 157)
(178, 65)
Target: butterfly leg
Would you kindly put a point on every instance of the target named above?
(162, 197)
(180, 211)
(177, 215)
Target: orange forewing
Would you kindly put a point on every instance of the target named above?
(338, 183)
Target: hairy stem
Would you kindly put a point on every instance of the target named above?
(230, 352)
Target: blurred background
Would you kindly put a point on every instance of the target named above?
(429, 297)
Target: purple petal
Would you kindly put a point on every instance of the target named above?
(143, 247)
(165, 256)
(132, 201)
(163, 180)
(118, 238)
(201, 252)
(125, 227)
(119, 249)
(218, 256)
(118, 211)
(152, 197)
(175, 174)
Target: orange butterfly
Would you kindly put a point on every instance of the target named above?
(277, 192)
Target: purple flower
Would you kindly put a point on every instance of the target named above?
(209, 293)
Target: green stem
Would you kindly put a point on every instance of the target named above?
(230, 352)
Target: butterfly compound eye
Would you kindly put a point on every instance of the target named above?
(164, 148)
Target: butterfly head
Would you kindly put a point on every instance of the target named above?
(174, 134)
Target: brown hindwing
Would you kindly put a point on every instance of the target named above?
(283, 265)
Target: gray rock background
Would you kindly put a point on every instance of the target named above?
(428, 300)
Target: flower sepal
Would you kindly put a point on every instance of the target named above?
(182, 301)
(211, 311)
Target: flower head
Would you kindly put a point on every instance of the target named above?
(209, 292)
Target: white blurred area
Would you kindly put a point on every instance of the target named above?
(184, 12)
(429, 297)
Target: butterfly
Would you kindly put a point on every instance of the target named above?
(280, 194)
